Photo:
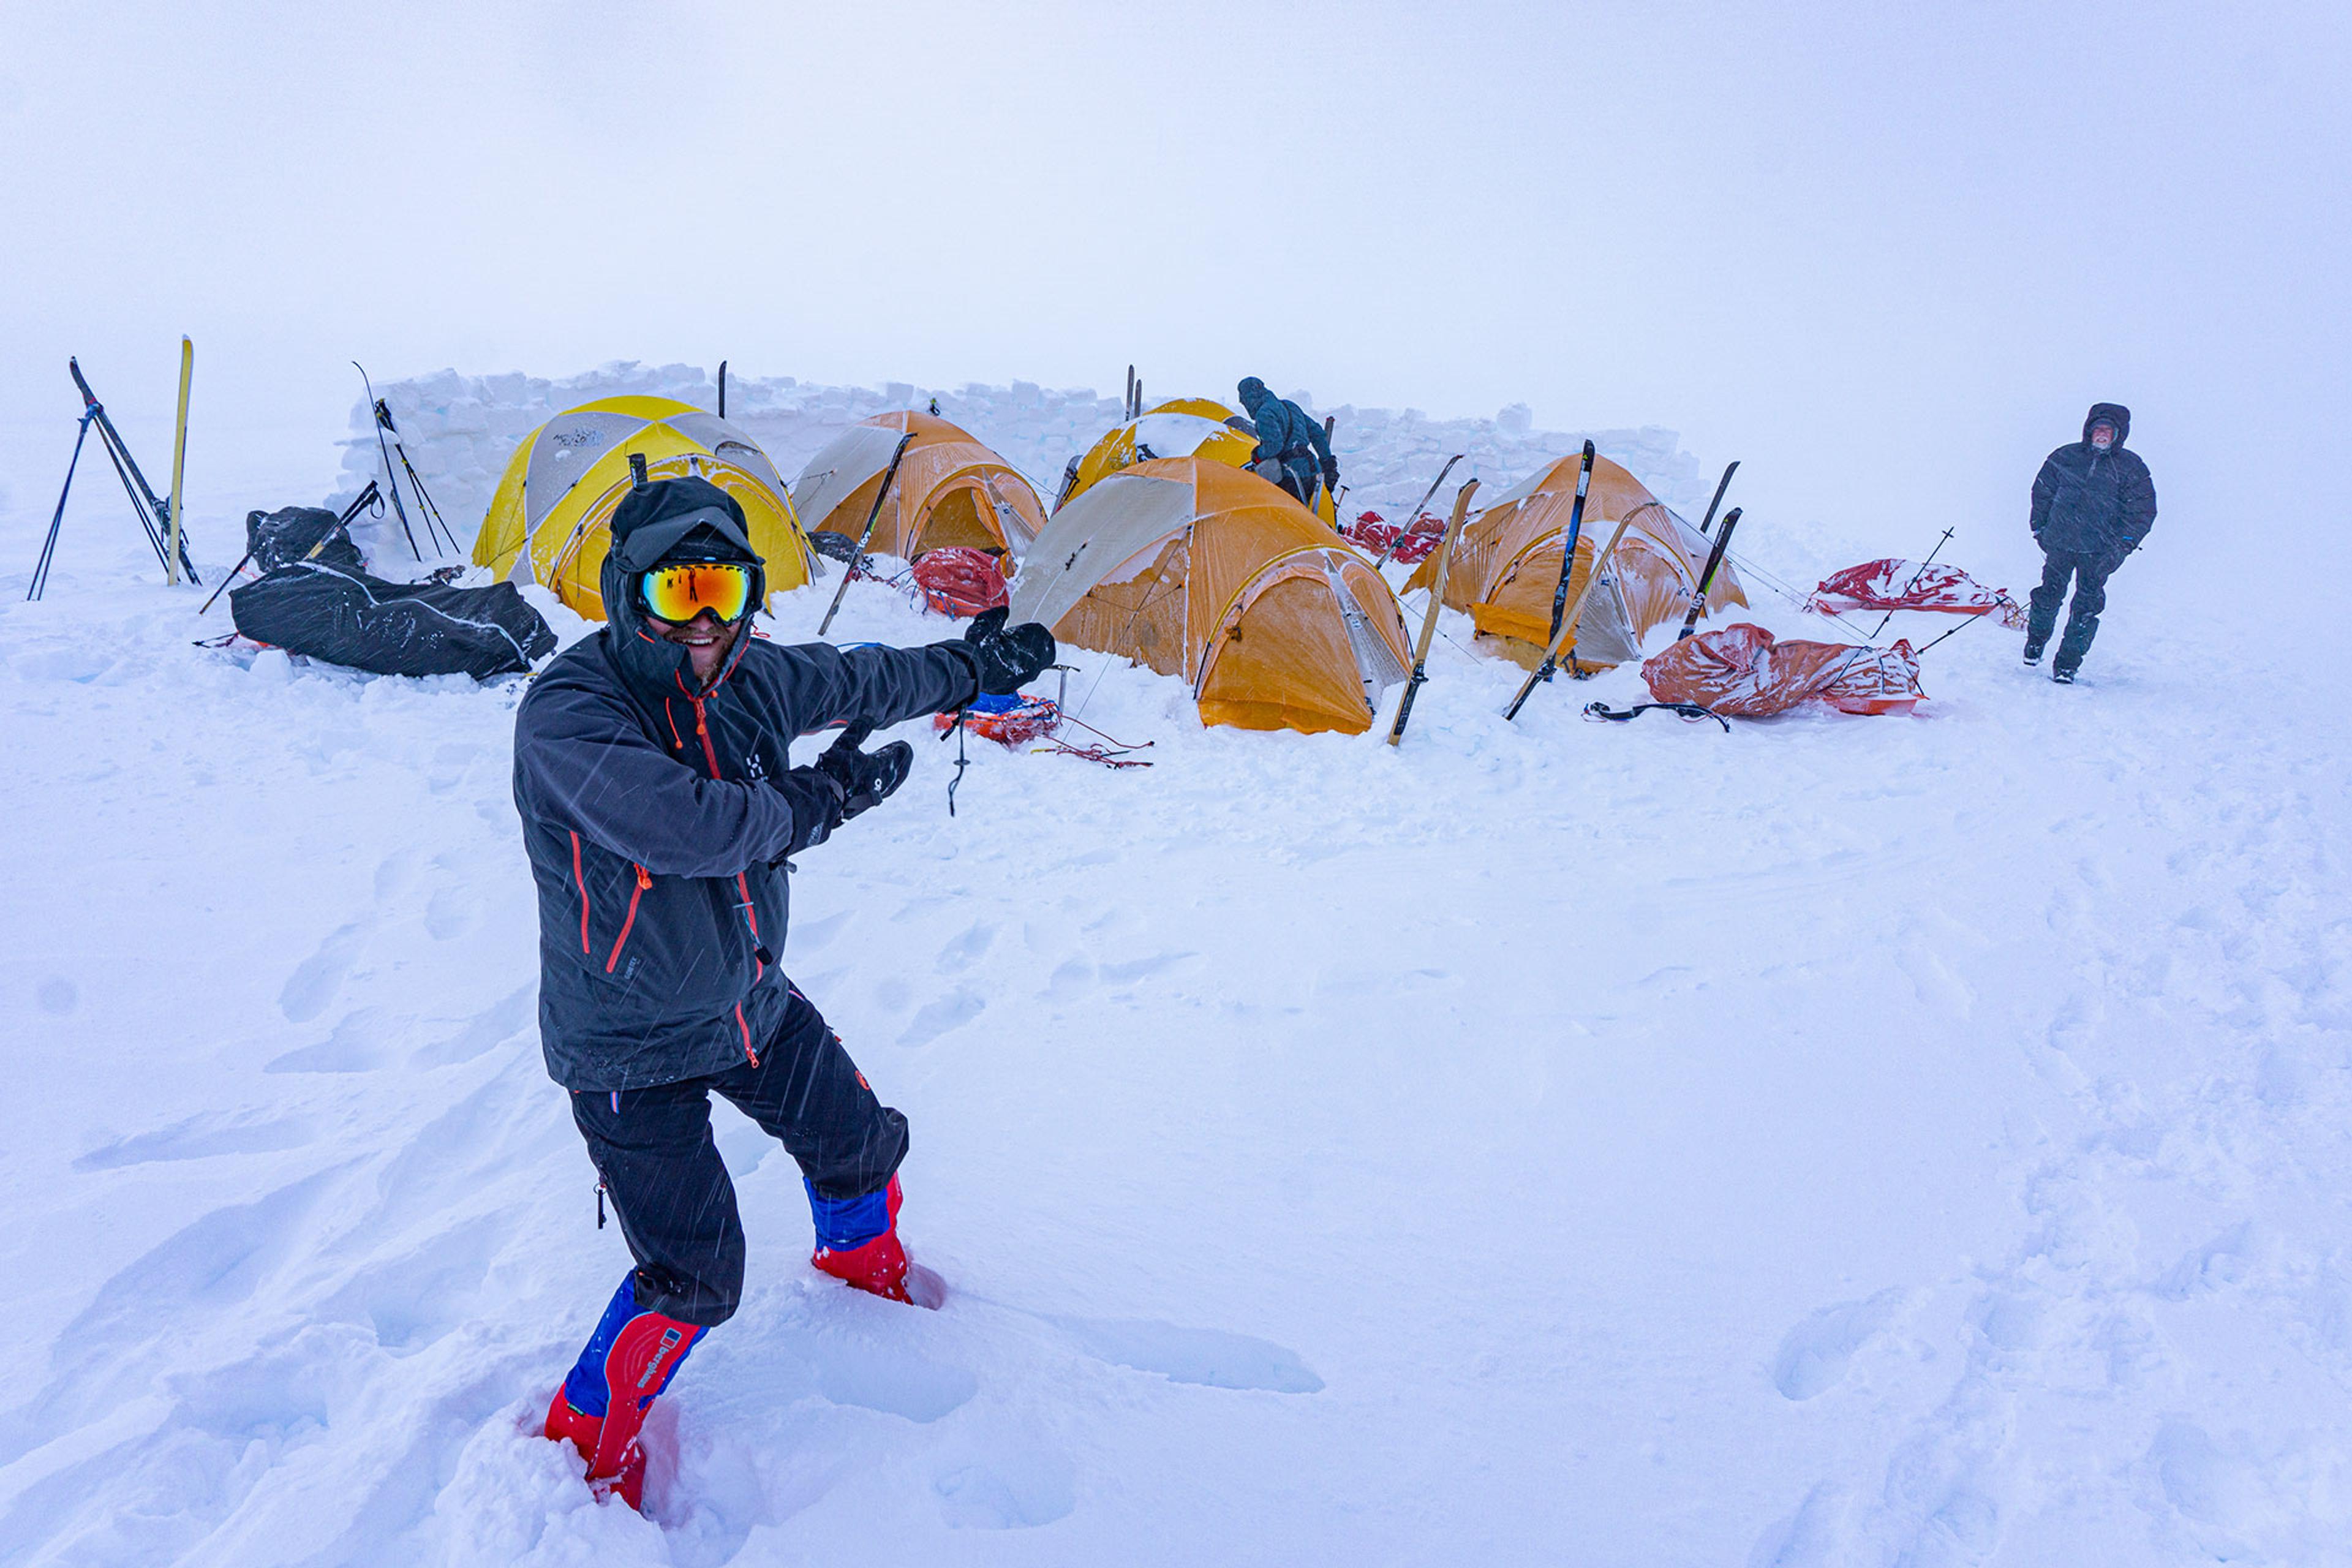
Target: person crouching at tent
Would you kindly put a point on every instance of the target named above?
(2092, 504)
(1292, 449)
(658, 804)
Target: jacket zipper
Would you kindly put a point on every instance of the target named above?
(581, 882)
(743, 886)
(645, 881)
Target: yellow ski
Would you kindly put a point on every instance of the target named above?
(1436, 603)
(180, 460)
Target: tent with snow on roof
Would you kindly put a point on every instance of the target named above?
(1209, 573)
(1181, 428)
(952, 491)
(551, 520)
(1505, 577)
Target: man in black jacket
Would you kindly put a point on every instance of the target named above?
(658, 804)
(1292, 449)
(2092, 504)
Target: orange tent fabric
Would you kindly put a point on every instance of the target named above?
(1744, 671)
(951, 491)
(1505, 577)
(1211, 574)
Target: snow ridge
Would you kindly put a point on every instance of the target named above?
(461, 429)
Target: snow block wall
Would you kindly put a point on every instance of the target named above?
(461, 431)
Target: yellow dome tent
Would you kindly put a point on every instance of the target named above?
(1211, 574)
(951, 490)
(1504, 576)
(549, 521)
(1181, 428)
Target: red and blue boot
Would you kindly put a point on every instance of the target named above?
(622, 1370)
(858, 1242)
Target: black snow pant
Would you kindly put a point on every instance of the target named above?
(2089, 575)
(1302, 480)
(653, 1149)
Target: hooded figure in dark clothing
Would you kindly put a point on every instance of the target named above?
(1292, 449)
(2092, 504)
(658, 804)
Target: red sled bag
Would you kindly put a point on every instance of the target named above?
(1370, 533)
(1892, 585)
(1744, 671)
(959, 581)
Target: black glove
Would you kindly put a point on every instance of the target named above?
(1330, 474)
(1008, 657)
(843, 782)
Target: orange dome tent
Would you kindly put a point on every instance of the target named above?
(1504, 576)
(951, 490)
(1209, 573)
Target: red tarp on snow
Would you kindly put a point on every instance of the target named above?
(1742, 670)
(1372, 532)
(1905, 585)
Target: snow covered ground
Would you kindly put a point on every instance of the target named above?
(1846, 1141)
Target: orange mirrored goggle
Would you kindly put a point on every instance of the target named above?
(678, 593)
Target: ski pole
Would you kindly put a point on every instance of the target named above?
(1721, 485)
(1414, 515)
(382, 418)
(873, 515)
(1436, 602)
(1911, 585)
(1707, 578)
(49, 545)
(1962, 626)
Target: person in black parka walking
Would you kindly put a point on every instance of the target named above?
(1292, 449)
(658, 802)
(2094, 503)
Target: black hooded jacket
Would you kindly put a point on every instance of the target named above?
(2092, 503)
(655, 816)
(1285, 431)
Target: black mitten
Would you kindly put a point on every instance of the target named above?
(1008, 656)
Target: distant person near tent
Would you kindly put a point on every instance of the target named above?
(1292, 449)
(658, 802)
(2092, 504)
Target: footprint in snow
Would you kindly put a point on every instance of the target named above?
(360, 1041)
(198, 1138)
(1018, 1485)
(949, 1012)
(1209, 1358)
(966, 950)
(1814, 1356)
(317, 979)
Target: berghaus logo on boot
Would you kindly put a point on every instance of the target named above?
(654, 1363)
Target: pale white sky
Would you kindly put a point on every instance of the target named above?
(1885, 255)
